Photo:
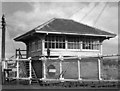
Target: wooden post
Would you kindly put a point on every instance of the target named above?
(60, 69)
(79, 73)
(99, 69)
(17, 71)
(101, 48)
(81, 45)
(43, 46)
(61, 59)
(30, 71)
(44, 67)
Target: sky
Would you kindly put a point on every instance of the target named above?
(24, 16)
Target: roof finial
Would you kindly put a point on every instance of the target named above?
(3, 20)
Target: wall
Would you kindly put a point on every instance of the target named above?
(69, 52)
(36, 52)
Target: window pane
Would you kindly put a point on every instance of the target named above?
(73, 43)
(55, 42)
(91, 43)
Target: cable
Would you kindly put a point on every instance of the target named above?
(74, 13)
(85, 14)
(88, 13)
(100, 14)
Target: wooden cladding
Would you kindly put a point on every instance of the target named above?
(35, 45)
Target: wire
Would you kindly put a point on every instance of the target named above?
(100, 14)
(88, 13)
(74, 13)
(85, 14)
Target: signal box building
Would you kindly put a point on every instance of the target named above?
(65, 38)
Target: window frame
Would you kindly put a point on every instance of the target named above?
(78, 44)
(54, 42)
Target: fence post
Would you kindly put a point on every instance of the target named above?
(17, 68)
(99, 69)
(30, 70)
(17, 60)
(79, 70)
(44, 67)
(61, 59)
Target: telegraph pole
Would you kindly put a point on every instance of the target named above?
(3, 38)
(3, 46)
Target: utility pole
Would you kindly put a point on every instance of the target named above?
(3, 38)
(3, 47)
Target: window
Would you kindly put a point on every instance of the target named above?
(55, 42)
(74, 43)
(90, 43)
(96, 44)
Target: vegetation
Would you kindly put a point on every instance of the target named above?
(110, 69)
(111, 62)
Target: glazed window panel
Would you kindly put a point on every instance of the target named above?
(55, 42)
(74, 43)
(91, 44)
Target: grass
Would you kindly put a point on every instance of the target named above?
(110, 69)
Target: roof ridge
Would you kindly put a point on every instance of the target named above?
(44, 24)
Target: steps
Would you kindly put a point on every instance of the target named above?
(33, 81)
(22, 54)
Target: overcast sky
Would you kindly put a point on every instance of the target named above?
(24, 16)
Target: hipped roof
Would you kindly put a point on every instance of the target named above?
(68, 27)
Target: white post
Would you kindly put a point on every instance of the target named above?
(44, 68)
(61, 59)
(17, 68)
(3, 65)
(60, 69)
(66, 44)
(101, 47)
(30, 69)
(43, 46)
(79, 69)
(99, 70)
(6, 67)
(81, 45)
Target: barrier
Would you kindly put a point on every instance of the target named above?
(21, 69)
